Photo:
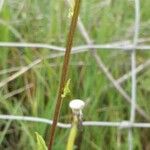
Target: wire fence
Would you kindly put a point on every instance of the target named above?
(122, 45)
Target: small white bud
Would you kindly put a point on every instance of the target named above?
(77, 105)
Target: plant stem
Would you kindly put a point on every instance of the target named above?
(64, 71)
(73, 134)
(79, 137)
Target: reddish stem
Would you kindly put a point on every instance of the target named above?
(64, 71)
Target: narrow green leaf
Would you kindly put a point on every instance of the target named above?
(71, 9)
(40, 142)
(66, 89)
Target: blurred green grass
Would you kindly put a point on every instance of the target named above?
(47, 22)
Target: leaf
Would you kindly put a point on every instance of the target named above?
(70, 13)
(66, 89)
(71, 9)
(40, 142)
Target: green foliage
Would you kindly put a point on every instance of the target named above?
(40, 142)
(47, 22)
(71, 9)
(66, 89)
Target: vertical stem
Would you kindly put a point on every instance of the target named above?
(79, 137)
(73, 134)
(64, 71)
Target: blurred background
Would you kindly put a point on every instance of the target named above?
(33, 91)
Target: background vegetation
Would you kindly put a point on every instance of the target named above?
(47, 22)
